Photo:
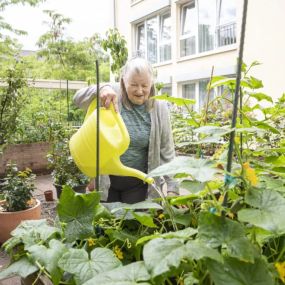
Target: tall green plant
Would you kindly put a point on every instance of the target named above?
(11, 100)
(116, 44)
(8, 45)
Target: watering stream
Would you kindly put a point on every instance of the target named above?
(166, 204)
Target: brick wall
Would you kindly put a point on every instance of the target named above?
(31, 155)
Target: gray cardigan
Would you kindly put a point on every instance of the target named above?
(161, 145)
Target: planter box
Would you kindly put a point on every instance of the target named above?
(32, 155)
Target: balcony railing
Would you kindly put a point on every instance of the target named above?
(226, 34)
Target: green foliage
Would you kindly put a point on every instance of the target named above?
(41, 115)
(117, 46)
(18, 187)
(5, 3)
(11, 100)
(64, 169)
(202, 238)
(67, 59)
(9, 47)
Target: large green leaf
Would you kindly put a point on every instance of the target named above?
(213, 130)
(122, 235)
(227, 81)
(261, 96)
(160, 255)
(190, 279)
(48, 257)
(265, 126)
(177, 101)
(198, 250)
(254, 83)
(77, 262)
(77, 211)
(200, 169)
(136, 206)
(235, 272)
(192, 186)
(220, 231)
(23, 267)
(182, 234)
(30, 232)
(273, 183)
(145, 219)
(267, 212)
(132, 274)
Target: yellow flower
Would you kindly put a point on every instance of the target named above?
(161, 216)
(22, 174)
(280, 266)
(250, 174)
(237, 140)
(118, 252)
(91, 241)
(231, 215)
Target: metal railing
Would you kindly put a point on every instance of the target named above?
(226, 34)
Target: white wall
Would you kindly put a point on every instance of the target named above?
(265, 42)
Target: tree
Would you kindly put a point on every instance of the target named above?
(116, 45)
(10, 47)
(66, 58)
(10, 100)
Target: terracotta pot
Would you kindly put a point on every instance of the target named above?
(48, 195)
(10, 220)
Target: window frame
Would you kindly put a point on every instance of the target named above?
(217, 44)
(186, 36)
(144, 53)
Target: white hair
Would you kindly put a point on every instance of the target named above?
(137, 65)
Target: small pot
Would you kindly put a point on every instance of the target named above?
(48, 195)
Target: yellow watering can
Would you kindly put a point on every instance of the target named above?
(114, 140)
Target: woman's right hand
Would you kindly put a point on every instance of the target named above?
(108, 96)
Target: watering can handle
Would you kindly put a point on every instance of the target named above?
(92, 107)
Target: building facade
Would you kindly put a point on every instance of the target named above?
(187, 40)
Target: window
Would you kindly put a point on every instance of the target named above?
(188, 29)
(151, 25)
(153, 38)
(198, 91)
(141, 40)
(188, 91)
(226, 29)
(203, 93)
(165, 37)
(166, 90)
(206, 25)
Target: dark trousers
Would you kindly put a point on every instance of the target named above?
(127, 189)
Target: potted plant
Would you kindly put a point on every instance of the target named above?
(18, 203)
(64, 169)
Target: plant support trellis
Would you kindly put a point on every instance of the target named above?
(228, 177)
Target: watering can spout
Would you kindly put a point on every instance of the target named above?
(121, 170)
(114, 140)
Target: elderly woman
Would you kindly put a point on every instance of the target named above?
(148, 124)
